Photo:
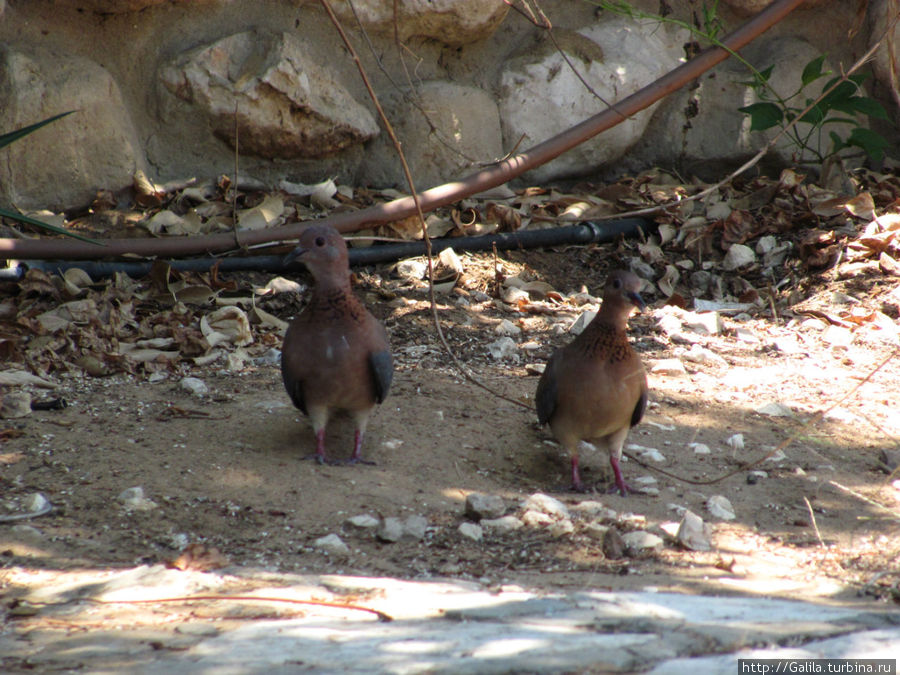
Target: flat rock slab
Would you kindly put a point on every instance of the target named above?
(436, 626)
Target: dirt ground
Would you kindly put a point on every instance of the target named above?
(226, 471)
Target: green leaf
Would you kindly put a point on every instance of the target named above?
(813, 70)
(6, 139)
(841, 92)
(814, 115)
(763, 115)
(864, 106)
(6, 213)
(870, 141)
(837, 143)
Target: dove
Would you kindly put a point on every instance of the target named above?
(335, 355)
(595, 388)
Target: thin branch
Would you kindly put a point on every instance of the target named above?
(427, 239)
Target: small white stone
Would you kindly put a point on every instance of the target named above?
(582, 321)
(775, 409)
(504, 348)
(738, 256)
(693, 533)
(560, 528)
(720, 507)
(36, 503)
(640, 541)
(596, 530)
(415, 527)
(766, 244)
(502, 525)
(698, 354)
(390, 530)
(195, 386)
(700, 448)
(736, 442)
(536, 519)
(392, 444)
(412, 269)
(332, 545)
(507, 327)
(471, 531)
(670, 367)
(133, 499)
(363, 522)
(545, 504)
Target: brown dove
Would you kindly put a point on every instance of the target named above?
(335, 354)
(595, 388)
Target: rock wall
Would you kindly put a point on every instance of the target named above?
(167, 86)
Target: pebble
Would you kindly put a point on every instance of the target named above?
(502, 525)
(332, 545)
(15, 404)
(271, 358)
(133, 499)
(361, 523)
(471, 531)
(613, 545)
(536, 519)
(390, 530)
(736, 442)
(693, 533)
(504, 348)
(36, 503)
(582, 321)
(720, 507)
(415, 527)
(639, 542)
(755, 476)
(561, 528)
(507, 327)
(194, 386)
(775, 409)
(596, 530)
(698, 354)
(700, 448)
(670, 367)
(738, 256)
(545, 504)
(480, 506)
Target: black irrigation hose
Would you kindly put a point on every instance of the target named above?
(585, 233)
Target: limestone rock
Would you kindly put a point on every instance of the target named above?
(332, 545)
(693, 533)
(453, 22)
(471, 531)
(639, 542)
(613, 544)
(503, 525)
(65, 163)
(288, 106)
(479, 506)
(540, 96)
(446, 129)
(720, 507)
(546, 504)
(390, 530)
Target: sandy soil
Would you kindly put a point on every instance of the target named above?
(226, 470)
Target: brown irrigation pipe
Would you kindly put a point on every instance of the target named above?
(491, 176)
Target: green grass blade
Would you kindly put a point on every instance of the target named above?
(6, 139)
(6, 213)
